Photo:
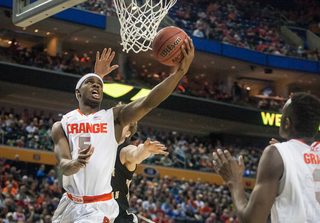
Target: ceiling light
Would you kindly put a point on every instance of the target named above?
(9, 42)
(248, 88)
(36, 31)
(48, 33)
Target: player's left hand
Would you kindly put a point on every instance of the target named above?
(229, 169)
(102, 65)
(154, 147)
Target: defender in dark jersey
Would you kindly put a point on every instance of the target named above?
(128, 156)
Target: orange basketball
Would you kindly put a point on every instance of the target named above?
(167, 44)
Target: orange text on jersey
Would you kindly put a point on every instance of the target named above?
(311, 158)
(87, 128)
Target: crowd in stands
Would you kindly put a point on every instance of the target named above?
(26, 130)
(245, 24)
(41, 59)
(303, 13)
(30, 194)
(27, 195)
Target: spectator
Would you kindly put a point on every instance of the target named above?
(19, 215)
(148, 203)
(51, 177)
(40, 173)
(198, 32)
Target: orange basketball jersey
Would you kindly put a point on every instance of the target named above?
(299, 201)
(96, 129)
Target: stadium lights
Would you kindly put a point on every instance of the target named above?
(116, 90)
(142, 93)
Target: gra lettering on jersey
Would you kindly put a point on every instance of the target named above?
(310, 158)
(87, 128)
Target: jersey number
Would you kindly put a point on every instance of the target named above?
(316, 177)
(84, 143)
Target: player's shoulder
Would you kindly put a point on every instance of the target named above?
(70, 113)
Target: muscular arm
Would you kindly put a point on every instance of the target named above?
(137, 109)
(62, 152)
(258, 207)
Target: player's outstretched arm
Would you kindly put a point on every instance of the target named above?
(270, 170)
(102, 66)
(68, 166)
(135, 110)
(131, 155)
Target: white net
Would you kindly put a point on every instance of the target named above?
(140, 22)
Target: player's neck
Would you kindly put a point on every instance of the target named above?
(87, 110)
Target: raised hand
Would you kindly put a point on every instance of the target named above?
(102, 65)
(154, 147)
(188, 54)
(229, 169)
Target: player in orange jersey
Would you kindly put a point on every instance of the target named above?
(288, 178)
(86, 141)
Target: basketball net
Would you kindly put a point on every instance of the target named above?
(139, 23)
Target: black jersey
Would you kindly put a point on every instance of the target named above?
(120, 182)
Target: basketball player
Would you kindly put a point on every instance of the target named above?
(86, 141)
(128, 156)
(288, 179)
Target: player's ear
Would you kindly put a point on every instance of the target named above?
(128, 134)
(78, 93)
(288, 123)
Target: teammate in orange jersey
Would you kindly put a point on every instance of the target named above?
(288, 179)
(86, 141)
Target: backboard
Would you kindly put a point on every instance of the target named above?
(26, 12)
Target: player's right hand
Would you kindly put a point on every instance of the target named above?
(84, 156)
(154, 147)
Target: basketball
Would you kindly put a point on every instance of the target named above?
(167, 44)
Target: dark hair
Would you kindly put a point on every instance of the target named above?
(304, 110)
